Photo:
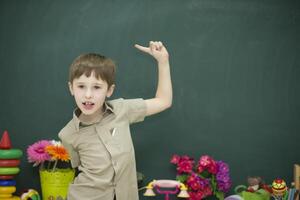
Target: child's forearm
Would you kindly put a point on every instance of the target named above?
(164, 86)
(163, 96)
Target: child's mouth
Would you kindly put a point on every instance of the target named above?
(88, 105)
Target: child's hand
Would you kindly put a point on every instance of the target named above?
(155, 49)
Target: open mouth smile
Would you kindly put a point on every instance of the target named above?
(88, 105)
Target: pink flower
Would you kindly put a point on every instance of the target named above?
(207, 163)
(175, 159)
(36, 152)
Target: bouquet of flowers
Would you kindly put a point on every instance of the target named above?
(47, 150)
(203, 178)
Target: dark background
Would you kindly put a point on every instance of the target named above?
(235, 68)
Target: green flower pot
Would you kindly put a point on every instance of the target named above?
(55, 183)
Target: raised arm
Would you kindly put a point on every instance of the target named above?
(163, 96)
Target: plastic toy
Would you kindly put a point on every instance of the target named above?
(30, 194)
(9, 162)
(255, 190)
(7, 183)
(279, 189)
(9, 170)
(161, 187)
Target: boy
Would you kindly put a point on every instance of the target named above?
(98, 137)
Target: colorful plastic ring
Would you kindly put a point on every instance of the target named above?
(9, 170)
(2, 196)
(12, 198)
(6, 177)
(10, 153)
(7, 182)
(7, 189)
(9, 163)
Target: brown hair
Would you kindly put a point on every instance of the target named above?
(102, 66)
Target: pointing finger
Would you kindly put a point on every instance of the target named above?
(141, 48)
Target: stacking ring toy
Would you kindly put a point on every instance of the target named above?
(7, 183)
(6, 177)
(30, 194)
(9, 170)
(10, 153)
(3, 196)
(9, 162)
(7, 189)
(12, 198)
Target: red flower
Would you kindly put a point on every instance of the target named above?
(207, 191)
(203, 180)
(196, 195)
(193, 182)
(213, 168)
(185, 166)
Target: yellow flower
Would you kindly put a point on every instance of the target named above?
(58, 152)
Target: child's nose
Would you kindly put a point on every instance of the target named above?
(88, 93)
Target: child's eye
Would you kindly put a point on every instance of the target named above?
(97, 87)
(80, 86)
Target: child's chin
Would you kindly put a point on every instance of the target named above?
(88, 112)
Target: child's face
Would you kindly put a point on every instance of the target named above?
(90, 94)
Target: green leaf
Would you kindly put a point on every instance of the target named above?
(182, 178)
(213, 184)
(219, 195)
(205, 174)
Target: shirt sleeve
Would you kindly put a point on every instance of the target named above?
(135, 110)
(74, 157)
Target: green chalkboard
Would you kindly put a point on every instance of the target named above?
(235, 69)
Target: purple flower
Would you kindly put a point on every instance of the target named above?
(223, 178)
(222, 167)
(36, 152)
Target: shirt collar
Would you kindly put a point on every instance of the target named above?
(108, 108)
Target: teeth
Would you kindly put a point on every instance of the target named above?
(88, 103)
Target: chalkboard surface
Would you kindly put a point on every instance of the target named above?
(235, 71)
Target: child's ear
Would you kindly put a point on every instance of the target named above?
(71, 88)
(110, 90)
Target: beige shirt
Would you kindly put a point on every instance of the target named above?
(104, 153)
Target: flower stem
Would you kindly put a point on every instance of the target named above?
(55, 163)
(42, 166)
(48, 167)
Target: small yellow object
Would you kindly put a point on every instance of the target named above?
(183, 191)
(7, 189)
(149, 190)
